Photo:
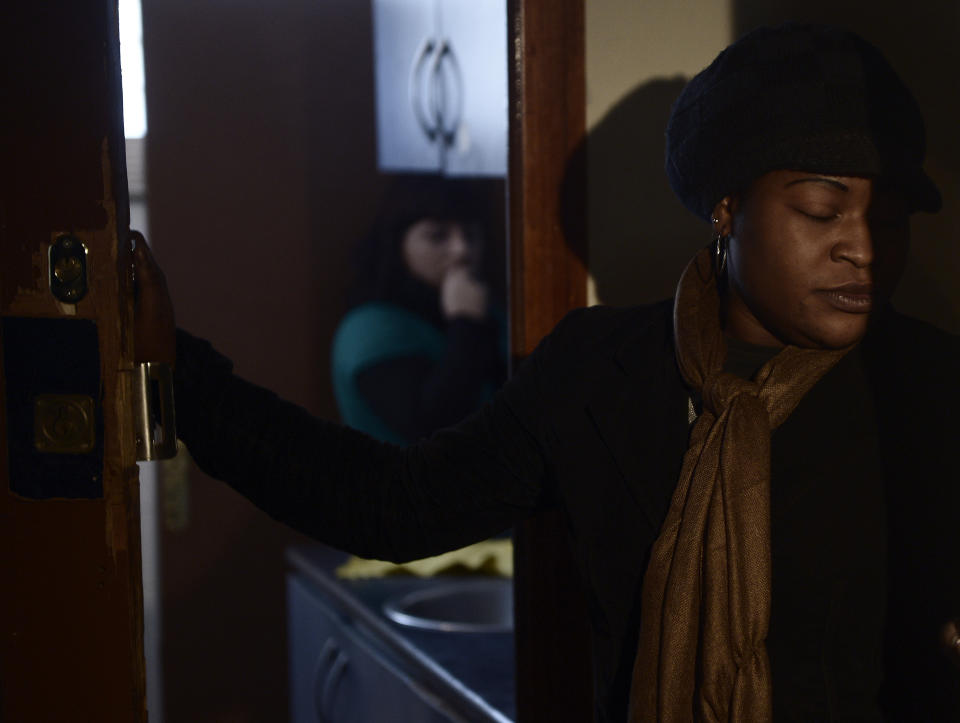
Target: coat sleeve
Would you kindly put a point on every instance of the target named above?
(344, 488)
(416, 395)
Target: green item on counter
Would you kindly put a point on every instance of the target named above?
(490, 557)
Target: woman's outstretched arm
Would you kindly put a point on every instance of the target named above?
(345, 488)
(340, 486)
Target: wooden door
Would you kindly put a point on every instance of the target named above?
(70, 600)
(548, 278)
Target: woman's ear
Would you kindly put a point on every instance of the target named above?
(722, 216)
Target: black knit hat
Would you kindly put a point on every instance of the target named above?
(798, 97)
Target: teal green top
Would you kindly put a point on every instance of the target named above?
(369, 334)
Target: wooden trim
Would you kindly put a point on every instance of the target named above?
(548, 278)
(71, 622)
(547, 123)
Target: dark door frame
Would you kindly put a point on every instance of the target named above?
(548, 277)
(71, 614)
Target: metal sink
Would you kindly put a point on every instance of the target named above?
(464, 606)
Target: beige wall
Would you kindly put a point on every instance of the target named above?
(638, 54)
(632, 41)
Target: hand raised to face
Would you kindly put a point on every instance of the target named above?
(461, 295)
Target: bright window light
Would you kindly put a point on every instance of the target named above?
(131, 69)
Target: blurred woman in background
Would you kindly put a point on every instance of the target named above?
(423, 344)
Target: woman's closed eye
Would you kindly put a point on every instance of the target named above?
(820, 215)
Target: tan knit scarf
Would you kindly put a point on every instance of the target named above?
(706, 594)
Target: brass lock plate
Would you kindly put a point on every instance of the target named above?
(68, 269)
(64, 424)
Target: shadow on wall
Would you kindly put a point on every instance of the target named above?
(640, 236)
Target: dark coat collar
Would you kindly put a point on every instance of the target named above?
(640, 406)
(640, 411)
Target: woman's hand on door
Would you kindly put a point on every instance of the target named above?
(155, 338)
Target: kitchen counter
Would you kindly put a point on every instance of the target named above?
(471, 673)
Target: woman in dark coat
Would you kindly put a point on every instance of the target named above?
(757, 475)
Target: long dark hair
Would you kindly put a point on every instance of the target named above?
(380, 272)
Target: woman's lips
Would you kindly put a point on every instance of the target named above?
(852, 298)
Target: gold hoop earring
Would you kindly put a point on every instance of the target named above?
(720, 244)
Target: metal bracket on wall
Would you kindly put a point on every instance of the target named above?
(153, 412)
